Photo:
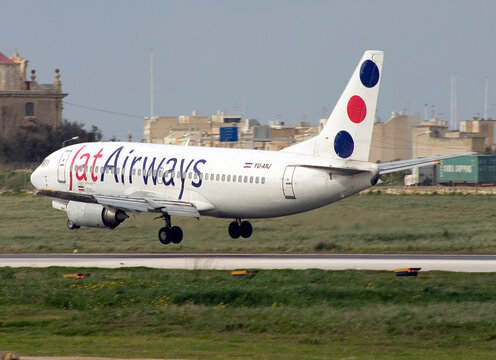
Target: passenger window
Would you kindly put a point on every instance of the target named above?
(134, 172)
(223, 177)
(256, 180)
(234, 178)
(263, 180)
(217, 177)
(160, 173)
(190, 175)
(212, 177)
(246, 179)
(251, 179)
(228, 178)
(240, 178)
(139, 172)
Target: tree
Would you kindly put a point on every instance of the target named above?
(33, 144)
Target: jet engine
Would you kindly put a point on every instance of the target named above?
(93, 215)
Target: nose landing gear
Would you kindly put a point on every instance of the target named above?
(240, 228)
(169, 233)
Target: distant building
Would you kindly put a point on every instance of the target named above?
(431, 139)
(484, 128)
(201, 130)
(27, 104)
(392, 140)
(405, 137)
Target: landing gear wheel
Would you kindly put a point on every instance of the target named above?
(71, 225)
(246, 229)
(176, 234)
(234, 230)
(164, 235)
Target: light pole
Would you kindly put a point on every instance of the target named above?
(71, 139)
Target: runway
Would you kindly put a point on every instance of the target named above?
(459, 263)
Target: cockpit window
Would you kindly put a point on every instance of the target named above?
(45, 162)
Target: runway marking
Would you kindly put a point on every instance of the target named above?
(458, 263)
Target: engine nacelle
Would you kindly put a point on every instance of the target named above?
(94, 215)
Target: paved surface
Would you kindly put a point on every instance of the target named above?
(462, 263)
(77, 358)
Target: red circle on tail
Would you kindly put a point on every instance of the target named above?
(357, 110)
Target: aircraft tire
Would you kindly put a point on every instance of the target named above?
(71, 225)
(246, 229)
(164, 235)
(234, 230)
(176, 234)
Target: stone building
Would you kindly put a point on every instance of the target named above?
(202, 130)
(431, 139)
(26, 103)
(405, 137)
(392, 140)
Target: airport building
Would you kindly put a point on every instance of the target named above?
(404, 137)
(26, 103)
(223, 130)
(399, 138)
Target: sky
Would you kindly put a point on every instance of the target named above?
(264, 59)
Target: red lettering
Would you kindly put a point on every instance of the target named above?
(97, 156)
(72, 163)
(83, 168)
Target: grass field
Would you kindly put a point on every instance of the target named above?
(308, 314)
(368, 223)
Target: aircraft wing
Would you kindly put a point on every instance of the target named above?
(149, 202)
(143, 202)
(393, 166)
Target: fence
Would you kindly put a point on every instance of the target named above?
(15, 179)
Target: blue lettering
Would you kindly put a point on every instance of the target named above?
(135, 160)
(151, 170)
(113, 167)
(124, 167)
(183, 176)
(170, 172)
(198, 172)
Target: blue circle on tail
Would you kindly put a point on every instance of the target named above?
(369, 74)
(343, 144)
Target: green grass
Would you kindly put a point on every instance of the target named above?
(284, 314)
(368, 223)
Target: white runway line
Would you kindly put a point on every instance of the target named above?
(230, 262)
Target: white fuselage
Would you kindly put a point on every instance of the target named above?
(220, 182)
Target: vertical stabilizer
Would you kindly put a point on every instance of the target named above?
(348, 131)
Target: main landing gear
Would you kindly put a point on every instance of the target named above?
(173, 234)
(240, 228)
(169, 233)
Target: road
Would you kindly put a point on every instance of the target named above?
(461, 263)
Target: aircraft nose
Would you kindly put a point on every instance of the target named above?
(36, 178)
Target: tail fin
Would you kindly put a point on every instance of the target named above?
(348, 131)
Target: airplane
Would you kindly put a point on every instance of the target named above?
(98, 184)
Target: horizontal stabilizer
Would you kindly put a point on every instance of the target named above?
(393, 166)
